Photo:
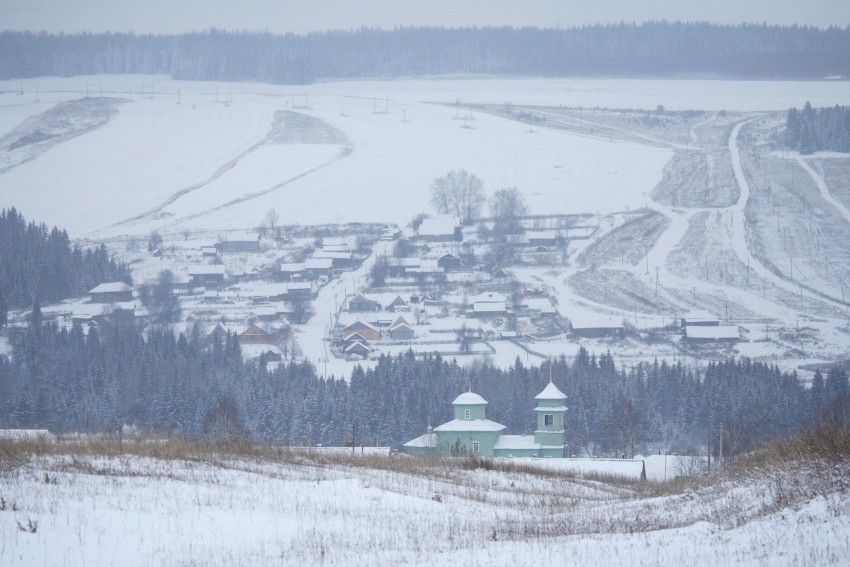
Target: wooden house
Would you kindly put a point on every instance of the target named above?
(699, 319)
(592, 326)
(398, 304)
(291, 272)
(254, 335)
(439, 228)
(206, 275)
(365, 330)
(401, 330)
(448, 262)
(489, 304)
(315, 268)
(357, 350)
(112, 292)
(360, 304)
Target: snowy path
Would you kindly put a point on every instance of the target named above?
(824, 190)
(331, 298)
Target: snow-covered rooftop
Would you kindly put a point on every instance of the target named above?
(469, 398)
(551, 392)
(595, 321)
(438, 225)
(206, 269)
(718, 332)
(111, 287)
(426, 440)
(470, 425)
(508, 442)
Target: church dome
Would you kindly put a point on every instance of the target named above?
(468, 399)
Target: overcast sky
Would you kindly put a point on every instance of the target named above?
(302, 16)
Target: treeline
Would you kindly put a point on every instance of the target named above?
(66, 380)
(38, 264)
(811, 130)
(655, 49)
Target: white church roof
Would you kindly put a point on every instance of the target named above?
(551, 392)
(469, 398)
(470, 425)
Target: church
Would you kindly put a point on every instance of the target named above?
(470, 432)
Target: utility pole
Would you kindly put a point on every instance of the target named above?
(656, 281)
(720, 453)
(708, 438)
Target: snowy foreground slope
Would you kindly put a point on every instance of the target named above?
(135, 507)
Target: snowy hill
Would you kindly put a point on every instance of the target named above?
(161, 502)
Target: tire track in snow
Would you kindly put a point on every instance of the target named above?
(343, 153)
(195, 186)
(273, 134)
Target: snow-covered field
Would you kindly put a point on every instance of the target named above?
(131, 507)
(213, 148)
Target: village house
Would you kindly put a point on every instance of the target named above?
(545, 238)
(291, 272)
(448, 262)
(357, 350)
(595, 326)
(240, 242)
(206, 275)
(112, 292)
(339, 260)
(470, 432)
(398, 267)
(398, 304)
(254, 335)
(401, 330)
(365, 330)
(298, 291)
(439, 228)
(489, 304)
(315, 268)
(699, 319)
(360, 304)
(700, 334)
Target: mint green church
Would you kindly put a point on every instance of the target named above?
(472, 433)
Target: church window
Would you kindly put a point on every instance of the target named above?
(548, 419)
(475, 446)
(466, 414)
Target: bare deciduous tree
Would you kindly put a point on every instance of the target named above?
(459, 193)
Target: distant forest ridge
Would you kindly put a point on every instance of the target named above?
(656, 49)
